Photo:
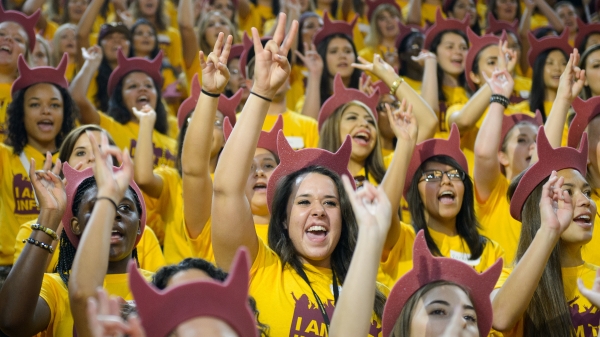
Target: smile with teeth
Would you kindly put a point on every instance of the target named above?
(584, 220)
(446, 197)
(143, 99)
(5, 48)
(260, 187)
(362, 137)
(316, 233)
(116, 236)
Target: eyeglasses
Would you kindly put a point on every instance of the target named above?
(436, 175)
(395, 105)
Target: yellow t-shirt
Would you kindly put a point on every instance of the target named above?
(590, 252)
(454, 95)
(287, 303)
(56, 295)
(496, 222)
(416, 85)
(257, 18)
(5, 99)
(125, 136)
(399, 260)
(50, 30)
(427, 13)
(297, 85)
(300, 131)
(522, 86)
(584, 315)
(149, 253)
(538, 20)
(17, 204)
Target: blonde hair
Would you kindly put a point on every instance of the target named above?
(46, 46)
(56, 52)
(202, 25)
(374, 36)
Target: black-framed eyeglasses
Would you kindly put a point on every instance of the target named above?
(437, 175)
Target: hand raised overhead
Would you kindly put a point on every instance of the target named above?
(215, 73)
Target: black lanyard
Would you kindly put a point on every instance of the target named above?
(321, 306)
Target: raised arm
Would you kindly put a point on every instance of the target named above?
(22, 311)
(425, 116)
(84, 27)
(230, 230)
(314, 63)
(30, 6)
(414, 13)
(91, 260)
(487, 167)
(550, 14)
(524, 29)
(185, 18)
(571, 83)
(429, 85)
(511, 301)
(195, 157)
(144, 176)
(352, 316)
(80, 84)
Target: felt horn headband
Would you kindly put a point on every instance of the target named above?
(331, 27)
(585, 111)
(442, 25)
(128, 65)
(27, 22)
(478, 43)
(373, 4)
(266, 140)
(496, 26)
(584, 31)
(30, 76)
(509, 121)
(546, 43)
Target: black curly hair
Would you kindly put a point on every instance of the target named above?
(17, 135)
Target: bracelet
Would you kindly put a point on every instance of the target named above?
(500, 99)
(111, 201)
(48, 231)
(263, 97)
(210, 94)
(396, 85)
(39, 244)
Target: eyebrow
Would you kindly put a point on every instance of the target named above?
(306, 195)
(52, 99)
(466, 306)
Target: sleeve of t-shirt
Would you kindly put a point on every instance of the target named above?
(50, 295)
(153, 258)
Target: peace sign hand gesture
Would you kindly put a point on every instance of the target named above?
(572, 79)
(215, 74)
(271, 66)
(403, 122)
(556, 210)
(49, 189)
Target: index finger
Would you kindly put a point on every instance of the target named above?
(219, 44)
(258, 48)
(47, 162)
(226, 49)
(280, 29)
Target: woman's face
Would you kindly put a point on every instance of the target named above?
(387, 24)
(225, 7)
(262, 167)
(236, 80)
(592, 72)
(520, 147)
(451, 54)
(360, 125)
(593, 131)
(442, 199)
(340, 56)
(39, 56)
(68, 42)
(568, 16)
(314, 218)
(138, 90)
(584, 208)
(304, 5)
(216, 24)
(43, 113)
(76, 9)
(204, 327)
(310, 27)
(593, 39)
(487, 62)
(433, 313)
(506, 10)
(462, 8)
(125, 226)
(218, 140)
(144, 40)
(553, 68)
(13, 41)
(111, 43)
(514, 44)
(148, 8)
(414, 46)
(82, 151)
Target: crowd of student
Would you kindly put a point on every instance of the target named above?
(219, 168)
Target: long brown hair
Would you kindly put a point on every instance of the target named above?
(161, 18)
(548, 312)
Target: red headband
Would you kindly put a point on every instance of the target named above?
(585, 111)
(405, 31)
(292, 161)
(30, 76)
(428, 269)
(478, 43)
(509, 121)
(342, 95)
(228, 105)
(442, 25)
(247, 46)
(496, 26)
(128, 65)
(373, 4)
(236, 51)
(436, 147)
(585, 30)
(161, 311)
(74, 178)
(189, 104)
(550, 159)
(267, 140)
(334, 27)
(27, 22)
(546, 43)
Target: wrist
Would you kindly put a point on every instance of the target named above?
(50, 218)
(549, 235)
(262, 93)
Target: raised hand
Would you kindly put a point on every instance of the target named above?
(126, 18)
(423, 56)
(105, 320)
(271, 66)
(49, 188)
(556, 210)
(215, 74)
(93, 55)
(146, 114)
(371, 207)
(591, 294)
(311, 59)
(403, 122)
(572, 79)
(508, 57)
(365, 84)
(379, 67)
(111, 184)
(501, 82)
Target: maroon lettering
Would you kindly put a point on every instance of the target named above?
(585, 322)
(161, 156)
(24, 197)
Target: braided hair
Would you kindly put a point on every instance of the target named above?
(67, 251)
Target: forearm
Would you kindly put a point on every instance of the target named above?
(354, 309)
(30, 6)
(511, 301)
(144, 161)
(78, 90)
(427, 121)
(346, 8)
(84, 27)
(243, 9)
(185, 18)
(487, 168)
(312, 97)
(468, 116)
(550, 14)
(414, 12)
(429, 86)
(556, 120)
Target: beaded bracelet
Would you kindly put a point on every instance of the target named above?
(39, 244)
(48, 231)
(500, 99)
